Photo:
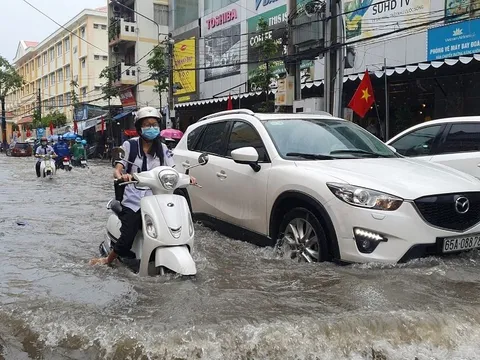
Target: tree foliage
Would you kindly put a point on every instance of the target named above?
(109, 90)
(261, 77)
(10, 80)
(57, 118)
(159, 69)
(74, 94)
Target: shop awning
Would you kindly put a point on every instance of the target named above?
(351, 77)
(87, 124)
(25, 120)
(122, 115)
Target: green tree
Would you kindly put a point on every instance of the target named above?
(74, 94)
(10, 81)
(37, 119)
(159, 69)
(109, 90)
(261, 76)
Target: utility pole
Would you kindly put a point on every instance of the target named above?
(39, 103)
(171, 102)
(294, 68)
(387, 108)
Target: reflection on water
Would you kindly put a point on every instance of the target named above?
(244, 304)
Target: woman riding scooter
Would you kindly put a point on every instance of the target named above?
(149, 152)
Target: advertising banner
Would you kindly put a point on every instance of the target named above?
(456, 10)
(184, 57)
(364, 19)
(127, 99)
(453, 40)
(222, 49)
(277, 20)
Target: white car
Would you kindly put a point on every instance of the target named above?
(454, 142)
(325, 188)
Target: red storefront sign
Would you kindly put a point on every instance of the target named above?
(221, 19)
(127, 99)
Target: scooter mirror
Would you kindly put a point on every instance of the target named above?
(203, 159)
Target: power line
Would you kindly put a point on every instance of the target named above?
(63, 27)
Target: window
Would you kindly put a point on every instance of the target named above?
(214, 5)
(82, 32)
(59, 49)
(67, 72)
(95, 26)
(213, 141)
(52, 79)
(193, 137)
(60, 101)
(39, 62)
(52, 102)
(45, 58)
(66, 43)
(418, 142)
(39, 84)
(60, 76)
(244, 135)
(104, 27)
(52, 53)
(160, 14)
(186, 11)
(83, 62)
(462, 138)
(45, 82)
(96, 57)
(105, 57)
(84, 92)
(68, 98)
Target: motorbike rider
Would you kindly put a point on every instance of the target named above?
(43, 149)
(61, 149)
(151, 152)
(77, 151)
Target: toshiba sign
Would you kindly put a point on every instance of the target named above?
(221, 19)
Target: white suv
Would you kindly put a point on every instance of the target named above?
(326, 188)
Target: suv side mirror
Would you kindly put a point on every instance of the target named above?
(247, 156)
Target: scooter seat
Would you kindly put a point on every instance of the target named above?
(116, 206)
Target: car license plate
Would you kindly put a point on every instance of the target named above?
(83, 162)
(459, 243)
(65, 163)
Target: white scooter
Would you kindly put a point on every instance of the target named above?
(47, 166)
(165, 242)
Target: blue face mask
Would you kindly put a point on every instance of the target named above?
(150, 133)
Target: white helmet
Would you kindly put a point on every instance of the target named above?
(146, 112)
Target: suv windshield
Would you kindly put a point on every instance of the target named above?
(324, 138)
(22, 145)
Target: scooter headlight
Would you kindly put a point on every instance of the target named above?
(150, 227)
(168, 178)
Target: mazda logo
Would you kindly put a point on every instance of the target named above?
(462, 204)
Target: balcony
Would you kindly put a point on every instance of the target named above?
(125, 74)
(121, 30)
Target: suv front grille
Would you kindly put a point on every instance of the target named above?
(445, 211)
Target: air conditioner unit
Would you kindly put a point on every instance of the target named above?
(116, 8)
(309, 105)
(116, 49)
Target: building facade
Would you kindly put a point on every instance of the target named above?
(135, 28)
(77, 52)
(430, 49)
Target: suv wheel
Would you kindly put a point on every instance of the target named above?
(302, 235)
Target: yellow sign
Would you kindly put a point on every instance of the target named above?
(184, 58)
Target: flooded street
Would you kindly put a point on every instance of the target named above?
(244, 304)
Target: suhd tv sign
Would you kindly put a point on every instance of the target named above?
(264, 3)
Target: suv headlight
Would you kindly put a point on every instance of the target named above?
(168, 178)
(366, 198)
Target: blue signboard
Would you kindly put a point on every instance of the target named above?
(453, 40)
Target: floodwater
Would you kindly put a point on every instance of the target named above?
(245, 303)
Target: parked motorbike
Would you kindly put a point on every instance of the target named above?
(47, 166)
(165, 241)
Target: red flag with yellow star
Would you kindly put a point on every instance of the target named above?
(363, 98)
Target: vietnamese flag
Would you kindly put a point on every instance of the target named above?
(229, 103)
(75, 127)
(51, 128)
(363, 98)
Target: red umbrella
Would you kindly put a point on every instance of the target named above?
(229, 103)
